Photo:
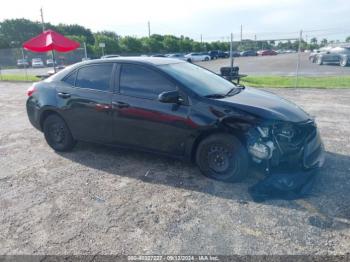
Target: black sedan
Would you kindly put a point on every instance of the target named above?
(178, 109)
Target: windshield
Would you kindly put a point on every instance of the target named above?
(201, 81)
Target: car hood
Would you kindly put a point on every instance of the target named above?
(266, 105)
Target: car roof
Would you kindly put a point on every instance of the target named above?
(139, 59)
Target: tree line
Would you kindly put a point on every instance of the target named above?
(13, 32)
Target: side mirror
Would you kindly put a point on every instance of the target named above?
(169, 97)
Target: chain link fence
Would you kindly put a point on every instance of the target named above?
(297, 67)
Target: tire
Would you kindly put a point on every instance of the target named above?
(206, 59)
(57, 134)
(319, 60)
(222, 157)
(189, 60)
(343, 61)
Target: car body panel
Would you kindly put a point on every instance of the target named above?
(174, 129)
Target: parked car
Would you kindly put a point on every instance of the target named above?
(179, 109)
(215, 54)
(266, 52)
(249, 53)
(234, 54)
(37, 62)
(158, 55)
(337, 55)
(179, 56)
(313, 54)
(49, 62)
(195, 57)
(22, 63)
(109, 56)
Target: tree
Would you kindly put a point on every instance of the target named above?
(131, 44)
(347, 39)
(152, 44)
(313, 41)
(14, 32)
(171, 43)
(324, 42)
(76, 30)
(112, 44)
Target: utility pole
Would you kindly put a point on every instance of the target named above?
(298, 62)
(231, 56)
(85, 51)
(201, 42)
(149, 29)
(42, 18)
(256, 43)
(241, 33)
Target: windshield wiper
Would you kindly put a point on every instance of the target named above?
(237, 90)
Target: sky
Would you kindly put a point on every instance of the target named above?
(213, 19)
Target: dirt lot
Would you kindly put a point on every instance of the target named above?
(109, 201)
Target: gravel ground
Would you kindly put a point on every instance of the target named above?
(109, 201)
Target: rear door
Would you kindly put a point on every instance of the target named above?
(86, 102)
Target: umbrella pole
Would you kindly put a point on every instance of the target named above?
(54, 60)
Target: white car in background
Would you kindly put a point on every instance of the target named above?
(37, 62)
(178, 56)
(195, 57)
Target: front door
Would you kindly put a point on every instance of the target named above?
(140, 120)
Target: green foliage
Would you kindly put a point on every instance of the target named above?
(129, 45)
(10, 28)
(18, 78)
(304, 82)
(111, 41)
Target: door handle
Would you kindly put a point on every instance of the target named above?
(120, 104)
(63, 95)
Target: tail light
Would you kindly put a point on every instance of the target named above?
(31, 90)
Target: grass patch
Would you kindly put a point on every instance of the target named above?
(303, 82)
(19, 78)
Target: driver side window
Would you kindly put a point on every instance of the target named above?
(140, 81)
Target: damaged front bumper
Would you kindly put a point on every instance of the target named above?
(291, 178)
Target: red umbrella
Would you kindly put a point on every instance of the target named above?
(49, 41)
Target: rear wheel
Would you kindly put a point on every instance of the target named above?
(222, 157)
(206, 59)
(57, 134)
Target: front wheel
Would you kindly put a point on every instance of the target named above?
(222, 157)
(206, 59)
(57, 134)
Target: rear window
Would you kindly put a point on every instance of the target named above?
(95, 77)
